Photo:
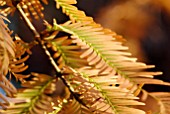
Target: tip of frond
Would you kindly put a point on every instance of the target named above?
(4, 18)
(150, 66)
(54, 21)
(158, 73)
(165, 83)
(49, 27)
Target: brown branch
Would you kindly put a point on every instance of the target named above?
(38, 39)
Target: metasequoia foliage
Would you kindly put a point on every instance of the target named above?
(98, 72)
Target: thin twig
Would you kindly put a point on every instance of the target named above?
(38, 38)
(37, 35)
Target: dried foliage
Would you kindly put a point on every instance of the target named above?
(7, 52)
(98, 73)
(17, 64)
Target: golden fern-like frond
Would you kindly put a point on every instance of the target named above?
(71, 10)
(35, 96)
(106, 54)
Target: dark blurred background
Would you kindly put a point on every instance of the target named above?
(145, 24)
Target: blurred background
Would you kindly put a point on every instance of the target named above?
(144, 23)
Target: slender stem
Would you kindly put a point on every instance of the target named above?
(28, 21)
